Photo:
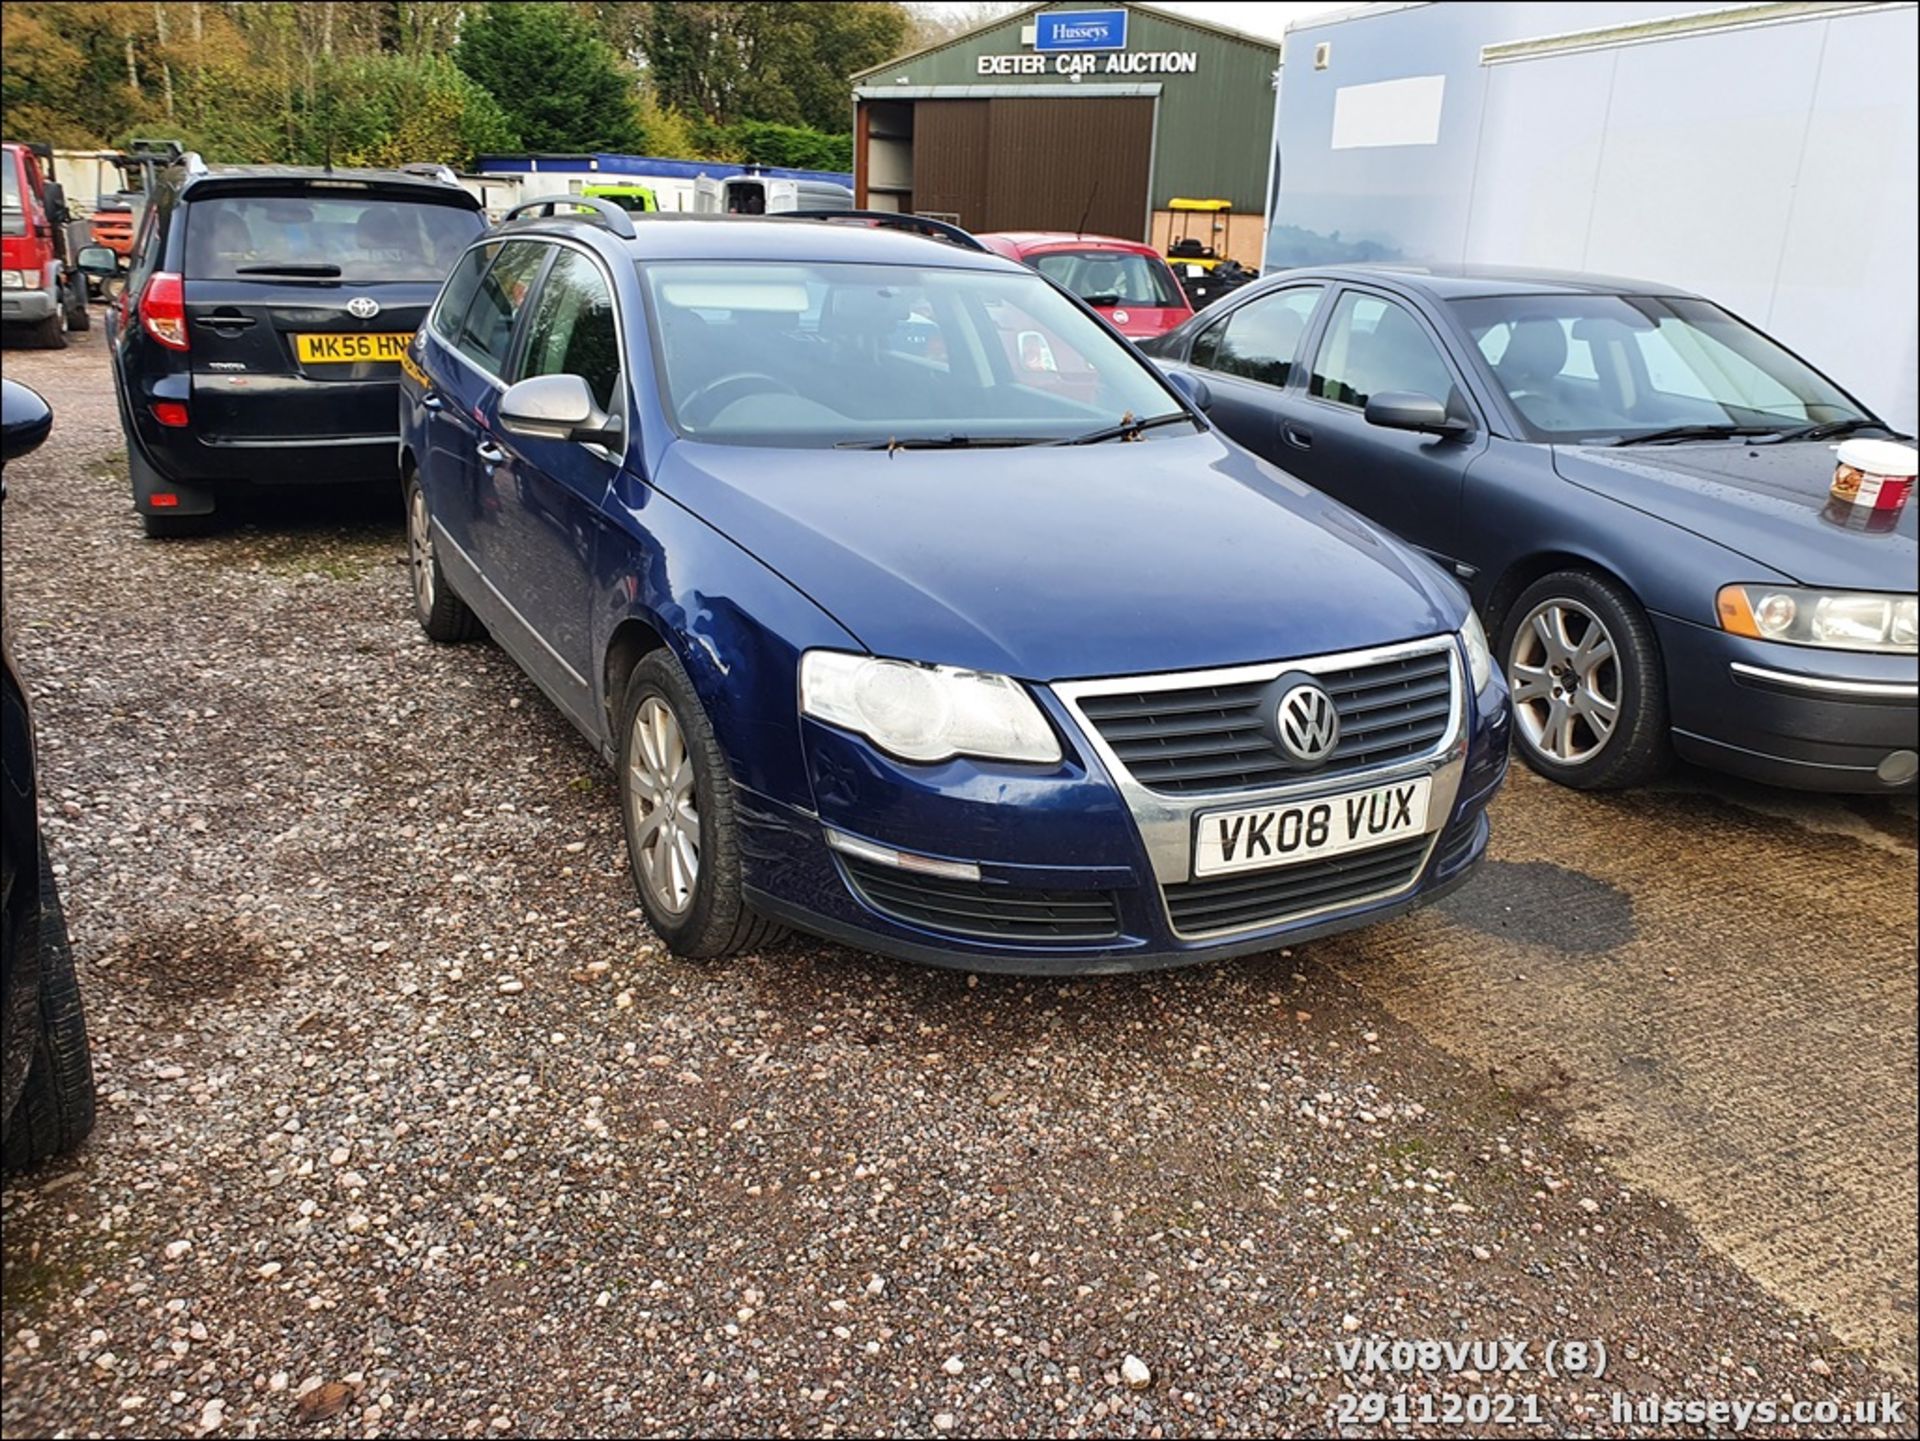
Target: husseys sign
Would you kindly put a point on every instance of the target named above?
(1067, 42)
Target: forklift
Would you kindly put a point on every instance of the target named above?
(116, 215)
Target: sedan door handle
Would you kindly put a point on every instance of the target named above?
(1297, 436)
(430, 401)
(489, 453)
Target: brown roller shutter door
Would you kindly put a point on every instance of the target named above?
(1042, 164)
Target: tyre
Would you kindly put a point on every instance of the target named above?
(77, 315)
(48, 334)
(175, 527)
(1589, 696)
(55, 1110)
(441, 613)
(676, 800)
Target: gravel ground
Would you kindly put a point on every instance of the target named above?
(409, 1126)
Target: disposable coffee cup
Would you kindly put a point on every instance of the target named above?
(1874, 474)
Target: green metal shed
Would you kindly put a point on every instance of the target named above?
(1075, 118)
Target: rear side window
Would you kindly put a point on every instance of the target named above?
(1261, 340)
(573, 328)
(457, 294)
(368, 237)
(487, 327)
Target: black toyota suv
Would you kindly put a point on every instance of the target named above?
(260, 335)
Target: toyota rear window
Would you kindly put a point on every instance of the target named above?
(306, 236)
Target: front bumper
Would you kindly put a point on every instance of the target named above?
(27, 307)
(1077, 844)
(1789, 715)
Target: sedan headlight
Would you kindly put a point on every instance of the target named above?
(925, 712)
(1834, 619)
(13, 280)
(1473, 636)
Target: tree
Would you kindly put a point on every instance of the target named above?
(787, 63)
(390, 110)
(560, 87)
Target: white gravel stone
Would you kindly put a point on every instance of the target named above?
(1136, 1373)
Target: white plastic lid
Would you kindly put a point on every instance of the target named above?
(1880, 457)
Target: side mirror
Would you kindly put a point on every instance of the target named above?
(1409, 410)
(25, 420)
(97, 260)
(1197, 392)
(556, 407)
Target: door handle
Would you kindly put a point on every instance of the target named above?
(1297, 436)
(227, 322)
(431, 401)
(489, 453)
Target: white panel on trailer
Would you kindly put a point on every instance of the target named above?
(1848, 286)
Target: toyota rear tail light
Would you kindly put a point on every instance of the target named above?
(163, 309)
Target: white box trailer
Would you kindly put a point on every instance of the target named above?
(1762, 155)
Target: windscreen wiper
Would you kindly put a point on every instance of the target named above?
(1127, 429)
(936, 442)
(1827, 429)
(1696, 432)
(319, 270)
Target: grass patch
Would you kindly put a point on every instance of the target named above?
(108, 467)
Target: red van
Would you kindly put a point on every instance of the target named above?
(39, 293)
(1124, 280)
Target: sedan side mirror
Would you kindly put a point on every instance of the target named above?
(1198, 393)
(97, 260)
(557, 407)
(1410, 410)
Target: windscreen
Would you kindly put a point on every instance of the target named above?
(1613, 366)
(13, 216)
(1110, 277)
(370, 237)
(841, 354)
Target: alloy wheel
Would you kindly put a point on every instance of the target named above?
(1564, 674)
(420, 552)
(666, 814)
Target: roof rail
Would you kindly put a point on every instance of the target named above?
(895, 220)
(611, 215)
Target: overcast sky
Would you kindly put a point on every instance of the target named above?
(1256, 17)
(1268, 18)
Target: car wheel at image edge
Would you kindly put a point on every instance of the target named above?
(1589, 697)
(676, 804)
(49, 334)
(441, 613)
(55, 1109)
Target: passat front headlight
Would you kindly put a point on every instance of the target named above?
(1479, 659)
(1834, 619)
(925, 712)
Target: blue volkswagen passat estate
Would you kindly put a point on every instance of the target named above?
(917, 611)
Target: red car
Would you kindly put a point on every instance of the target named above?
(1124, 280)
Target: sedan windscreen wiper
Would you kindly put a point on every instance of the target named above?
(1696, 432)
(936, 442)
(1827, 429)
(319, 270)
(1128, 429)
